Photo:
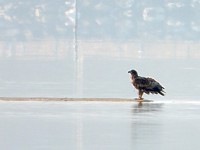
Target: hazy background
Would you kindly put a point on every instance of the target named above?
(84, 48)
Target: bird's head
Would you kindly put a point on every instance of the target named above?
(133, 73)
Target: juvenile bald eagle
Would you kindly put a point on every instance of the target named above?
(145, 85)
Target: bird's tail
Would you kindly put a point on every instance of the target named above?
(160, 92)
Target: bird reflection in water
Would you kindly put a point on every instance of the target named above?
(146, 125)
(144, 107)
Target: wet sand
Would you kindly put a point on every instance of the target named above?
(66, 99)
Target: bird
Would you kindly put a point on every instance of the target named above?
(145, 85)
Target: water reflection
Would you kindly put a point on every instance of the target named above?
(99, 125)
(146, 126)
(163, 125)
(143, 107)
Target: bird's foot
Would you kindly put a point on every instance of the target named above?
(139, 99)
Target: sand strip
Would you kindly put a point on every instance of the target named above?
(65, 99)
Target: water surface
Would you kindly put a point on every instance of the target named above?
(100, 125)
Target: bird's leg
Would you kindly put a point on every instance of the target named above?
(140, 93)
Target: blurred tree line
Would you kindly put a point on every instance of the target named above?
(102, 19)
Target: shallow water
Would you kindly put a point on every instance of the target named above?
(100, 125)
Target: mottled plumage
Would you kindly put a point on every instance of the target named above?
(145, 85)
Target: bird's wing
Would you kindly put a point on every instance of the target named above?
(148, 85)
(154, 83)
(142, 82)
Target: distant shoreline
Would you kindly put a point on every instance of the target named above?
(66, 99)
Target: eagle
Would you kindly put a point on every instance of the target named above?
(145, 85)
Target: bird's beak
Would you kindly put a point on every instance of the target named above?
(129, 71)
